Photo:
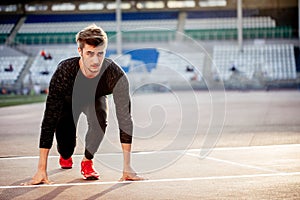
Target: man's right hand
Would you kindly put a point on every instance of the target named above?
(39, 178)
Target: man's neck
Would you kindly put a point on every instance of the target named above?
(85, 71)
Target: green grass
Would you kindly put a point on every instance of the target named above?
(13, 100)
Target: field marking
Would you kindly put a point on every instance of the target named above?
(235, 163)
(254, 147)
(154, 180)
(169, 151)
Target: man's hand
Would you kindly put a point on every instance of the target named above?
(41, 174)
(128, 173)
(131, 175)
(39, 178)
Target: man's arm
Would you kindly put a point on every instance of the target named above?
(123, 110)
(126, 157)
(128, 173)
(41, 174)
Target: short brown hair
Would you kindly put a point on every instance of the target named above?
(91, 35)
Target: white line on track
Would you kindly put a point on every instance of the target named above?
(169, 151)
(235, 163)
(155, 180)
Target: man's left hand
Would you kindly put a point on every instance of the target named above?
(131, 176)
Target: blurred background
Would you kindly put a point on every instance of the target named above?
(179, 45)
(216, 79)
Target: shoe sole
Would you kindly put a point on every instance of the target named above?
(66, 167)
(91, 178)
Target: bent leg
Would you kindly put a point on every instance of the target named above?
(97, 122)
(66, 132)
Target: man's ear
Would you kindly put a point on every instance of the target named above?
(79, 51)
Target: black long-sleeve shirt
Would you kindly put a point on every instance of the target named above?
(112, 80)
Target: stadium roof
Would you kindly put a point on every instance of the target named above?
(31, 6)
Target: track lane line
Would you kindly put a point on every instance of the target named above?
(235, 163)
(169, 151)
(155, 180)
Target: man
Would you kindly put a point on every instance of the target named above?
(80, 85)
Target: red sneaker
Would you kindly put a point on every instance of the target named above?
(66, 163)
(88, 171)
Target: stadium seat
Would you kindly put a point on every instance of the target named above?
(18, 62)
(40, 66)
(277, 62)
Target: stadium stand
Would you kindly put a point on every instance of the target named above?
(181, 63)
(7, 22)
(149, 26)
(47, 29)
(73, 23)
(170, 71)
(221, 25)
(14, 58)
(228, 23)
(276, 62)
(53, 31)
(158, 66)
(176, 70)
(42, 69)
(226, 20)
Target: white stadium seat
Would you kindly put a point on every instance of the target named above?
(276, 61)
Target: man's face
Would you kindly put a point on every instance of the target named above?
(92, 58)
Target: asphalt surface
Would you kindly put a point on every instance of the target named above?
(190, 145)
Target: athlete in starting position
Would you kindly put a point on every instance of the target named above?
(80, 85)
